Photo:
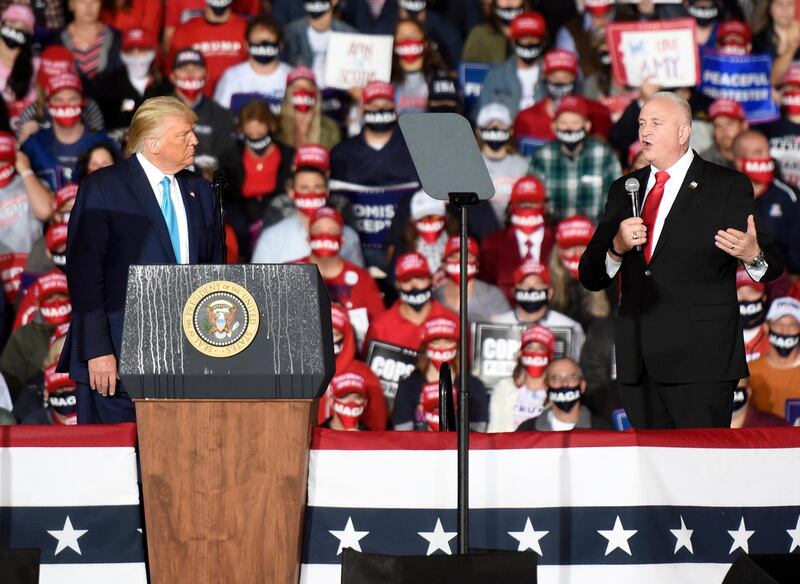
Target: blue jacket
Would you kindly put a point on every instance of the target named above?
(297, 49)
(502, 86)
(116, 223)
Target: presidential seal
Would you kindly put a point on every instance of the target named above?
(220, 319)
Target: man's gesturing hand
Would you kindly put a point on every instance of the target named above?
(103, 374)
(632, 232)
(741, 245)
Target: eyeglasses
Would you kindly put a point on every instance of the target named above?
(571, 378)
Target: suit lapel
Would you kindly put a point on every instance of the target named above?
(681, 204)
(143, 192)
(193, 222)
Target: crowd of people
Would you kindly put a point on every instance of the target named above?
(320, 175)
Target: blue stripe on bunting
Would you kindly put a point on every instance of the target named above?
(112, 532)
(573, 537)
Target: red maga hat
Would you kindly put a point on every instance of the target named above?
(529, 23)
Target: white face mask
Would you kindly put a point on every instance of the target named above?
(138, 66)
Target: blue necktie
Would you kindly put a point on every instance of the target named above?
(168, 210)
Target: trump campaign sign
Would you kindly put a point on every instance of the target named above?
(353, 60)
(664, 51)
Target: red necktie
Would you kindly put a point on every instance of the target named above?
(650, 211)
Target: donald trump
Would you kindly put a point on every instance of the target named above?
(148, 209)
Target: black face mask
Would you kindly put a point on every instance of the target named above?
(752, 313)
(495, 138)
(530, 300)
(704, 16)
(506, 15)
(60, 261)
(417, 298)
(317, 8)
(739, 399)
(259, 145)
(571, 140)
(337, 346)
(263, 52)
(564, 398)
(219, 7)
(381, 121)
(528, 53)
(13, 37)
(413, 7)
(559, 90)
(783, 344)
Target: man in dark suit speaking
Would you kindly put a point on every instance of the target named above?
(679, 342)
(146, 210)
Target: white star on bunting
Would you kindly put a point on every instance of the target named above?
(740, 538)
(68, 537)
(683, 538)
(795, 535)
(438, 539)
(618, 537)
(529, 538)
(348, 537)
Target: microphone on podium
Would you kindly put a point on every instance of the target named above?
(632, 187)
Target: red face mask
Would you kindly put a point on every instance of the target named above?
(535, 362)
(429, 228)
(349, 412)
(733, 48)
(453, 270)
(191, 87)
(409, 50)
(759, 170)
(429, 400)
(55, 311)
(324, 245)
(571, 261)
(307, 203)
(6, 173)
(527, 220)
(304, 100)
(65, 115)
(791, 101)
(439, 357)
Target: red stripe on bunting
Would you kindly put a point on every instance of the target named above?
(108, 436)
(324, 439)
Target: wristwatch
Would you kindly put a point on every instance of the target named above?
(759, 261)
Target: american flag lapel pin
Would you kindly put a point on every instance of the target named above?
(692, 185)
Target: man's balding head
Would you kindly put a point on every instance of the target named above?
(750, 144)
(665, 124)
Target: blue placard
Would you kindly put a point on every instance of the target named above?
(471, 77)
(620, 420)
(793, 411)
(527, 145)
(743, 78)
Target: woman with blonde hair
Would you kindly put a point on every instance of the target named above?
(569, 296)
(302, 121)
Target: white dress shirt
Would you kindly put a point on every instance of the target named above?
(530, 243)
(154, 177)
(677, 175)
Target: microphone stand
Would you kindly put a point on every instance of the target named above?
(463, 201)
(219, 185)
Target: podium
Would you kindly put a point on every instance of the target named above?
(223, 363)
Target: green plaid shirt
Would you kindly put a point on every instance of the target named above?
(576, 185)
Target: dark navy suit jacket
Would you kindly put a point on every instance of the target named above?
(116, 222)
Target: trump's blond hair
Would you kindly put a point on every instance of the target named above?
(148, 121)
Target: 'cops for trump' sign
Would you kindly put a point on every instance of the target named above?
(391, 364)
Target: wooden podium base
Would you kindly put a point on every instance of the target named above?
(224, 488)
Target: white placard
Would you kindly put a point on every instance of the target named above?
(353, 60)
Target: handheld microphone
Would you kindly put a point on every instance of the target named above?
(632, 188)
(219, 185)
